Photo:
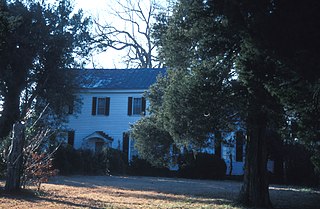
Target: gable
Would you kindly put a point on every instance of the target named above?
(100, 135)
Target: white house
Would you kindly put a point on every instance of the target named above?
(112, 99)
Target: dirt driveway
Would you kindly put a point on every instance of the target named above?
(150, 192)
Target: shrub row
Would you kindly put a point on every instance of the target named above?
(70, 161)
(110, 161)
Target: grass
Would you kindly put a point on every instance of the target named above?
(149, 192)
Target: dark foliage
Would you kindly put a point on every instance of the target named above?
(201, 166)
(70, 161)
(152, 141)
(38, 42)
(273, 49)
(298, 166)
(141, 167)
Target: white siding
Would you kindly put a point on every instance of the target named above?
(117, 122)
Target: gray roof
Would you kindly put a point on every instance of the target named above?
(117, 78)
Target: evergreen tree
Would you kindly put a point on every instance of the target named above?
(271, 48)
(39, 43)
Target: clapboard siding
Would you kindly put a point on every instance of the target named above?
(114, 124)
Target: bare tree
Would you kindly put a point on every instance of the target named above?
(130, 32)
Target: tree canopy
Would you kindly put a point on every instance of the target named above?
(38, 43)
(254, 62)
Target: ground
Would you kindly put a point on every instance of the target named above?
(149, 192)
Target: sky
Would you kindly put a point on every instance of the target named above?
(98, 9)
(101, 10)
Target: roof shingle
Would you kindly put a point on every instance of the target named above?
(117, 78)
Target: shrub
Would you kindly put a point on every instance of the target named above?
(298, 166)
(37, 169)
(201, 166)
(141, 167)
(70, 161)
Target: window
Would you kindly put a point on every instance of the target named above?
(239, 146)
(71, 138)
(136, 106)
(100, 106)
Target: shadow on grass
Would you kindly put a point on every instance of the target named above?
(202, 188)
(209, 191)
(179, 192)
(174, 191)
(169, 189)
(84, 202)
(294, 197)
(31, 196)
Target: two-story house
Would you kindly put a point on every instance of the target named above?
(112, 99)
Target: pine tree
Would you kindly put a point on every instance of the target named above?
(271, 51)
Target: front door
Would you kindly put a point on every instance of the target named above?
(99, 146)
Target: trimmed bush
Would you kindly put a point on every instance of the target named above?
(201, 166)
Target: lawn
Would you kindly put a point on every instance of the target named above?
(149, 192)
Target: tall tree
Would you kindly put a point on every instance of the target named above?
(273, 53)
(133, 35)
(35, 53)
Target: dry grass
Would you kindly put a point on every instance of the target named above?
(148, 192)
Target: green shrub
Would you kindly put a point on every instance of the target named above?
(70, 161)
(201, 166)
(141, 167)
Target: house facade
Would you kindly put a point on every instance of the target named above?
(112, 100)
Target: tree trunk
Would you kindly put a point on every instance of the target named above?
(14, 164)
(255, 188)
(11, 111)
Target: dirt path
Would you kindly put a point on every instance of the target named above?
(149, 192)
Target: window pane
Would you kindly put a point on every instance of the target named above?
(101, 106)
(137, 106)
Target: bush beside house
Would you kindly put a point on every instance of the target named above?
(201, 166)
(141, 167)
(70, 161)
(111, 161)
